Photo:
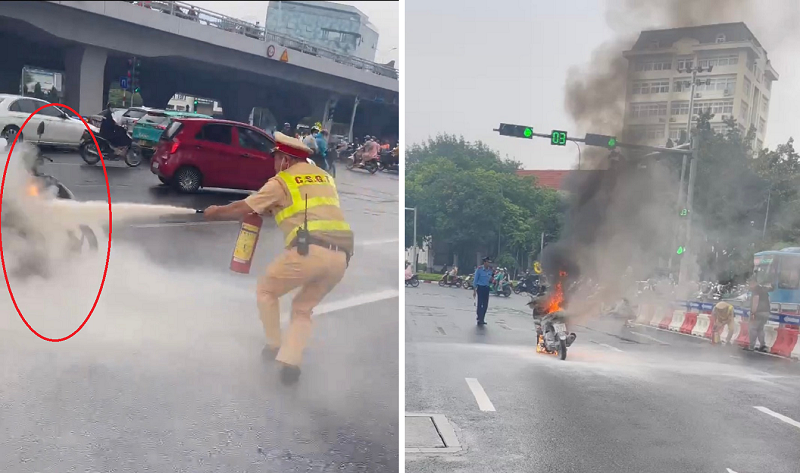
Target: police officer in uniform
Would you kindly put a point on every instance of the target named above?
(316, 267)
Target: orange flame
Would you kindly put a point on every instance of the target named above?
(558, 294)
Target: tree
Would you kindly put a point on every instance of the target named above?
(469, 198)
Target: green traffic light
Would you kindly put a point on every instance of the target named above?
(612, 142)
(684, 212)
(528, 132)
(136, 90)
(681, 250)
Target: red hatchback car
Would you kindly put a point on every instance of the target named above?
(206, 152)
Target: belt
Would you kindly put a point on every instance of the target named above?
(323, 244)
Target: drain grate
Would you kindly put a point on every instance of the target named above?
(430, 433)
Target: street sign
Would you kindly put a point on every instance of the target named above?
(270, 50)
(558, 138)
(123, 83)
(285, 56)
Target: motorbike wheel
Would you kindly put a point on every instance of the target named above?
(88, 152)
(351, 163)
(415, 282)
(507, 291)
(441, 283)
(133, 157)
(372, 168)
(465, 284)
(562, 350)
(517, 289)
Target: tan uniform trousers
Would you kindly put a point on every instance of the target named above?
(316, 274)
(719, 325)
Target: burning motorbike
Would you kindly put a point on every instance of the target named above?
(32, 254)
(552, 336)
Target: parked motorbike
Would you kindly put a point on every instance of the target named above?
(451, 281)
(131, 153)
(527, 285)
(413, 281)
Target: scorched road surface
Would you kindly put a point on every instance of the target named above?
(622, 401)
(167, 374)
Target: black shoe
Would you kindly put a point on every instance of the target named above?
(269, 353)
(763, 349)
(481, 322)
(289, 374)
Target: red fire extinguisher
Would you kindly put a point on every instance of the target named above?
(246, 243)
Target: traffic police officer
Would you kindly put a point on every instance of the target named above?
(316, 267)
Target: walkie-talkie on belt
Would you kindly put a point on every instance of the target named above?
(302, 234)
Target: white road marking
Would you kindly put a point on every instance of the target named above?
(782, 417)
(480, 395)
(651, 338)
(610, 347)
(354, 301)
(730, 471)
(377, 242)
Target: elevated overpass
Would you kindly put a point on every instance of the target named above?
(206, 55)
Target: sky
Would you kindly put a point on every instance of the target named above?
(470, 68)
(384, 15)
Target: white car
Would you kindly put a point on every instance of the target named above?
(131, 116)
(59, 129)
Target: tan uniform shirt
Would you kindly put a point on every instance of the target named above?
(270, 199)
(722, 312)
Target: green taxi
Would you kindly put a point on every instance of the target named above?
(148, 129)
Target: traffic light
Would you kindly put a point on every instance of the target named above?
(681, 250)
(684, 212)
(137, 65)
(195, 106)
(558, 138)
(609, 142)
(517, 131)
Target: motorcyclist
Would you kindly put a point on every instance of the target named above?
(112, 132)
(409, 273)
(370, 149)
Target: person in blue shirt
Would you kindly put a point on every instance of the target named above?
(322, 147)
(481, 282)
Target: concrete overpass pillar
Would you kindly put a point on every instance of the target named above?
(238, 103)
(83, 79)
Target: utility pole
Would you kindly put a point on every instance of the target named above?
(414, 251)
(764, 232)
(689, 202)
(694, 70)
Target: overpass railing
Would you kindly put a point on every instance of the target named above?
(207, 17)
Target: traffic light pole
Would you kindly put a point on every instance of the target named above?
(621, 145)
(683, 275)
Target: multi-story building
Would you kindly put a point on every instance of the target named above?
(658, 88)
(341, 28)
(183, 102)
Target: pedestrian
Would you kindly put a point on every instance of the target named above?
(322, 149)
(759, 315)
(287, 129)
(480, 283)
(723, 316)
(298, 191)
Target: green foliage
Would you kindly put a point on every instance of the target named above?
(470, 198)
(115, 96)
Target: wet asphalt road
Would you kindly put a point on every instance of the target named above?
(167, 373)
(639, 402)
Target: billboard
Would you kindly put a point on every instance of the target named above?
(42, 83)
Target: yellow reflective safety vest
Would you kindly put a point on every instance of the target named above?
(326, 221)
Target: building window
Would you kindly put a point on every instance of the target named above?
(719, 128)
(762, 125)
(650, 87)
(759, 144)
(764, 105)
(653, 65)
(675, 133)
(647, 133)
(747, 86)
(743, 112)
(642, 110)
(720, 38)
(719, 61)
(179, 97)
(679, 108)
(718, 107)
(717, 83)
(685, 63)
